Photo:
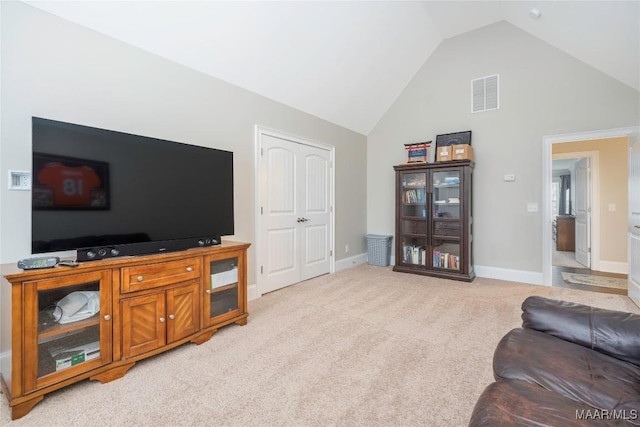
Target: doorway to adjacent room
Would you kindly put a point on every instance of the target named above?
(584, 233)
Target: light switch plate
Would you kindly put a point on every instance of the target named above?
(509, 177)
(532, 207)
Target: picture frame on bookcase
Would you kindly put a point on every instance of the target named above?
(454, 138)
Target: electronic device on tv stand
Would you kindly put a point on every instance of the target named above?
(106, 194)
(101, 252)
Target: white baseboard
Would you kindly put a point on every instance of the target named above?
(614, 267)
(523, 276)
(252, 292)
(343, 264)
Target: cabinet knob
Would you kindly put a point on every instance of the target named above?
(162, 319)
(140, 278)
(107, 317)
(189, 269)
(172, 316)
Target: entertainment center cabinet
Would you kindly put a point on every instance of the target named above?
(132, 308)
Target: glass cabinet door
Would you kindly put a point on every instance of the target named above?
(68, 329)
(413, 232)
(446, 224)
(224, 298)
(446, 194)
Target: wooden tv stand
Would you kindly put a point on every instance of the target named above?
(147, 305)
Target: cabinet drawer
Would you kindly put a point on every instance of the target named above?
(154, 275)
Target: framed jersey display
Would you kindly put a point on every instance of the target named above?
(69, 183)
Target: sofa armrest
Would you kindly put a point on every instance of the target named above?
(614, 333)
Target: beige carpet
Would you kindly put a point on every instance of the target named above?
(363, 347)
(592, 280)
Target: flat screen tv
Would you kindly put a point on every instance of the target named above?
(106, 193)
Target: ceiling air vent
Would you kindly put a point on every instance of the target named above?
(485, 93)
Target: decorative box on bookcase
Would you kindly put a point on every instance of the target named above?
(434, 222)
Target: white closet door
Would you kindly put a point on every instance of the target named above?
(315, 211)
(295, 222)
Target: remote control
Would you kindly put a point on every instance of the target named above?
(68, 263)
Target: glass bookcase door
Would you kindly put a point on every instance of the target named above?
(68, 331)
(446, 194)
(224, 299)
(414, 218)
(414, 195)
(446, 228)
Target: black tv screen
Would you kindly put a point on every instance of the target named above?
(100, 190)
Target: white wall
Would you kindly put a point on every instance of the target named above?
(543, 91)
(54, 69)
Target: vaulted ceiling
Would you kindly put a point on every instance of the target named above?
(346, 62)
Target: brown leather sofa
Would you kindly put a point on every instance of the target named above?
(568, 365)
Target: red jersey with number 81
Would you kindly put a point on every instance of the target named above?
(71, 185)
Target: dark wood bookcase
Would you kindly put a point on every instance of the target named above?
(434, 222)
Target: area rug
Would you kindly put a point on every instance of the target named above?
(587, 279)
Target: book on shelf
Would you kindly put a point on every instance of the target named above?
(452, 180)
(446, 260)
(415, 195)
(412, 254)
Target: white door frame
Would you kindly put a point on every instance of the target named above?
(547, 142)
(633, 282)
(261, 131)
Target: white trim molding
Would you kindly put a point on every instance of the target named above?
(252, 292)
(614, 267)
(353, 261)
(521, 276)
